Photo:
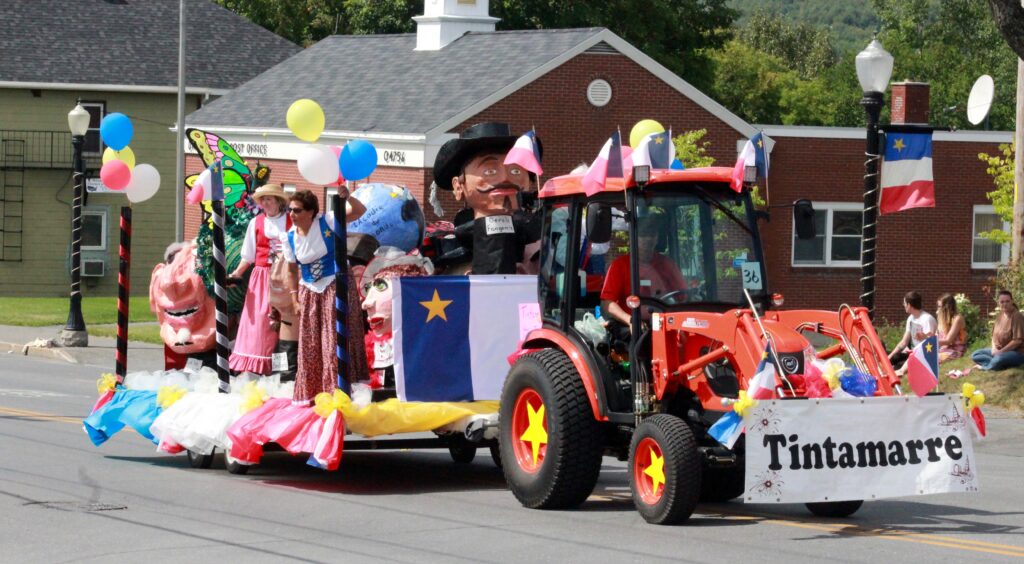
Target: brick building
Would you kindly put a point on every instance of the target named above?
(408, 94)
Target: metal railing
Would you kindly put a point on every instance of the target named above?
(35, 149)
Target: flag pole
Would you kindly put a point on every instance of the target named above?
(341, 293)
(220, 277)
(123, 275)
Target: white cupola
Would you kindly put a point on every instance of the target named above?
(444, 21)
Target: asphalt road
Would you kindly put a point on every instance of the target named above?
(63, 500)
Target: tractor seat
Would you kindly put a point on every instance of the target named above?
(721, 377)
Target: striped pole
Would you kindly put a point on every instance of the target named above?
(219, 275)
(341, 292)
(124, 252)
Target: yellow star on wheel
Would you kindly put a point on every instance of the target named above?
(435, 307)
(535, 433)
(898, 144)
(656, 471)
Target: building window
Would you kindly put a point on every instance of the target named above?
(93, 144)
(329, 199)
(94, 230)
(837, 240)
(986, 253)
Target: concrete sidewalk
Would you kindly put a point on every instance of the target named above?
(100, 352)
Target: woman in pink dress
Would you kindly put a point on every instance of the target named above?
(255, 341)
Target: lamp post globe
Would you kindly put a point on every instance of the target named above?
(74, 333)
(874, 68)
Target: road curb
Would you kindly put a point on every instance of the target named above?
(42, 352)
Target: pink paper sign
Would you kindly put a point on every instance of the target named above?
(529, 319)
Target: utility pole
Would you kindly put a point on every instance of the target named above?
(1018, 170)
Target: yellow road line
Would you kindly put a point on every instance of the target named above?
(39, 416)
(889, 534)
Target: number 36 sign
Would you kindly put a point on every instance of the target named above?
(752, 276)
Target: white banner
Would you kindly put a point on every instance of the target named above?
(858, 448)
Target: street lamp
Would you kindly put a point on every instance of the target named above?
(74, 333)
(874, 67)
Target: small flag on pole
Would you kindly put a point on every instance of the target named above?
(608, 164)
(754, 154)
(526, 153)
(655, 150)
(907, 180)
(923, 366)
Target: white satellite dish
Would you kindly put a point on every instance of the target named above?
(980, 100)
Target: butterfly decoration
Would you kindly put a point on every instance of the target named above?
(239, 179)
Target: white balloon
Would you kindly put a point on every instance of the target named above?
(318, 165)
(144, 184)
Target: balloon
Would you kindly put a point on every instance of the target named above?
(358, 159)
(126, 155)
(115, 175)
(677, 165)
(337, 155)
(642, 129)
(306, 120)
(318, 165)
(200, 189)
(116, 130)
(145, 182)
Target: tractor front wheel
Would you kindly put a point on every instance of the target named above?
(835, 508)
(550, 444)
(665, 470)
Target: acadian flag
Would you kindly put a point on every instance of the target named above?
(907, 173)
(727, 429)
(452, 334)
(656, 151)
(754, 154)
(762, 384)
(608, 164)
(923, 366)
(526, 153)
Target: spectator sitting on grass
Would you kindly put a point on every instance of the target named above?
(920, 326)
(1007, 338)
(952, 329)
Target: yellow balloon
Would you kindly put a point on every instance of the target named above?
(126, 155)
(306, 119)
(642, 129)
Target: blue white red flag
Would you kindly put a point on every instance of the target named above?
(608, 164)
(655, 150)
(526, 153)
(754, 154)
(762, 384)
(727, 429)
(923, 366)
(452, 334)
(907, 180)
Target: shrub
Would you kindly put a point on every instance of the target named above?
(977, 328)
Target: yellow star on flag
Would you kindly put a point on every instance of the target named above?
(928, 347)
(656, 471)
(658, 140)
(898, 144)
(760, 143)
(435, 307)
(535, 433)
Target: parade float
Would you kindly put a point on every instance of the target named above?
(708, 388)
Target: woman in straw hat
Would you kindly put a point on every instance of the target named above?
(255, 341)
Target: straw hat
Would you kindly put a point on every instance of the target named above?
(274, 190)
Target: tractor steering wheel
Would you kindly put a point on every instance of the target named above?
(674, 296)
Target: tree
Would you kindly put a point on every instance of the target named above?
(307, 21)
(1000, 168)
(800, 46)
(751, 83)
(691, 149)
(1009, 18)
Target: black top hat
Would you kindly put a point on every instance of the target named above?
(480, 137)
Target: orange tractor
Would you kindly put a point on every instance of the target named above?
(646, 385)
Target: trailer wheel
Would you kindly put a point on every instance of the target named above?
(550, 444)
(197, 460)
(665, 470)
(462, 451)
(835, 508)
(496, 455)
(722, 484)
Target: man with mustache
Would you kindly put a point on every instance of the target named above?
(472, 166)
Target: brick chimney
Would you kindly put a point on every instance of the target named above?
(910, 102)
(444, 21)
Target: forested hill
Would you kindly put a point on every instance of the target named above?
(852, 23)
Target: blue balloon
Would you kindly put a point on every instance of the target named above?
(357, 160)
(116, 130)
(677, 165)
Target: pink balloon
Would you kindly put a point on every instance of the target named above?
(337, 153)
(337, 150)
(115, 174)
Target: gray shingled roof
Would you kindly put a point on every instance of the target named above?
(380, 83)
(132, 42)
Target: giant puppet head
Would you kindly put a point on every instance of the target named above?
(376, 280)
(185, 311)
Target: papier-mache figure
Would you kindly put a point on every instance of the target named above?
(177, 296)
(375, 286)
(473, 168)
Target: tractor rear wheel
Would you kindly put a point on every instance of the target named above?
(550, 443)
(835, 508)
(665, 470)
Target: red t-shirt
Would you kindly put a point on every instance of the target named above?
(658, 277)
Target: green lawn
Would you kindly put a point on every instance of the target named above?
(37, 312)
(147, 333)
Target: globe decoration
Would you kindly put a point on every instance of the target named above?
(392, 216)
